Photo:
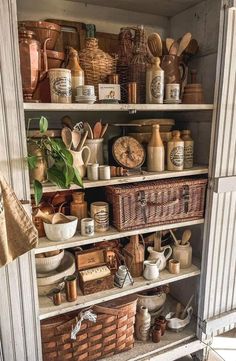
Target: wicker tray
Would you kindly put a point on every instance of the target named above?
(145, 204)
(112, 333)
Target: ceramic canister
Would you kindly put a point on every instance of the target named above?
(104, 172)
(87, 227)
(175, 152)
(100, 214)
(92, 171)
(60, 85)
(172, 92)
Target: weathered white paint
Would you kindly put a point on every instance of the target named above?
(218, 291)
(19, 326)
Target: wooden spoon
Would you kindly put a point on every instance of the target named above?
(104, 129)
(169, 42)
(155, 44)
(178, 310)
(174, 48)
(83, 139)
(66, 135)
(175, 239)
(67, 122)
(186, 236)
(59, 218)
(183, 314)
(157, 241)
(184, 42)
(97, 130)
(88, 129)
(76, 137)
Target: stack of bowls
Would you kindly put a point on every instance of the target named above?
(85, 94)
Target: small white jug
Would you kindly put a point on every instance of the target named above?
(151, 269)
(81, 160)
(162, 256)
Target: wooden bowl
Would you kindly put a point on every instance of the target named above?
(44, 30)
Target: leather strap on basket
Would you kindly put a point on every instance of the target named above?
(186, 198)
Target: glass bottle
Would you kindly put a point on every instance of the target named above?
(79, 207)
(77, 73)
(175, 152)
(142, 324)
(139, 63)
(188, 148)
(155, 151)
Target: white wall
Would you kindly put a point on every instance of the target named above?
(106, 19)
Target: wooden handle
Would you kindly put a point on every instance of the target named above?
(178, 309)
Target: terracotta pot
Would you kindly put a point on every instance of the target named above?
(44, 30)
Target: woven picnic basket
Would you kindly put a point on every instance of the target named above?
(97, 64)
(146, 204)
(112, 333)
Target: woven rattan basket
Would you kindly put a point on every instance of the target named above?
(97, 64)
(112, 333)
(145, 204)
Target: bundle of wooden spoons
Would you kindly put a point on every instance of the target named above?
(177, 48)
(97, 132)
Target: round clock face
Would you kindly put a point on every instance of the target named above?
(128, 152)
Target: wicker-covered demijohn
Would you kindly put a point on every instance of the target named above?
(97, 64)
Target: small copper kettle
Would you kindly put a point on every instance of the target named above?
(30, 62)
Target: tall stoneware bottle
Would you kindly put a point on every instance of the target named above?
(142, 324)
(155, 83)
(135, 256)
(77, 73)
(79, 207)
(175, 152)
(155, 151)
(188, 148)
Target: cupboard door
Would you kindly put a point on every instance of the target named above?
(19, 327)
(218, 282)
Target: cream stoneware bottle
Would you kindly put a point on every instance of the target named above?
(155, 83)
(175, 152)
(155, 151)
(188, 148)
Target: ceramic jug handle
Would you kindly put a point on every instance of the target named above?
(86, 148)
(184, 68)
(45, 60)
(169, 252)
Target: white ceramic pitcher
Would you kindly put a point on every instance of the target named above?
(163, 256)
(151, 269)
(81, 160)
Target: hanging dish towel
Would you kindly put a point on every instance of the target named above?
(17, 232)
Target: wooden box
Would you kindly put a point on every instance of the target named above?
(93, 260)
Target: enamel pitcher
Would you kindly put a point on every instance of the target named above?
(151, 269)
(163, 256)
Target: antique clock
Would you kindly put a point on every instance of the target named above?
(128, 152)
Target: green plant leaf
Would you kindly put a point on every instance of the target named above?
(56, 177)
(67, 157)
(69, 175)
(77, 179)
(38, 191)
(43, 124)
(32, 161)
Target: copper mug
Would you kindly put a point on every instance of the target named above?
(30, 62)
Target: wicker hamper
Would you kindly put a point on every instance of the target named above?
(145, 204)
(112, 333)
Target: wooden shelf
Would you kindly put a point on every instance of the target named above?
(47, 308)
(145, 176)
(74, 107)
(45, 245)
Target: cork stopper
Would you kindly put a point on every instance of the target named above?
(176, 134)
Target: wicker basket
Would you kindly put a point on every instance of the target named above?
(152, 203)
(96, 64)
(112, 333)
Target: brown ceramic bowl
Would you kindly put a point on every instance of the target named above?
(55, 58)
(44, 30)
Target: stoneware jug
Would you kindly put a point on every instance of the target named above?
(163, 256)
(151, 269)
(81, 160)
(174, 68)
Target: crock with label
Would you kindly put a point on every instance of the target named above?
(175, 152)
(60, 85)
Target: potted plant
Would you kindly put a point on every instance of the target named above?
(49, 160)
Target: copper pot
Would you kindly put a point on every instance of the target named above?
(30, 62)
(44, 30)
(55, 58)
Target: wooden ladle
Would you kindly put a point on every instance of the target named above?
(66, 135)
(184, 42)
(155, 44)
(47, 218)
(59, 218)
(186, 236)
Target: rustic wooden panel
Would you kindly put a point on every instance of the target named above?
(108, 42)
(19, 326)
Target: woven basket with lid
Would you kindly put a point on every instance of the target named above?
(97, 64)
